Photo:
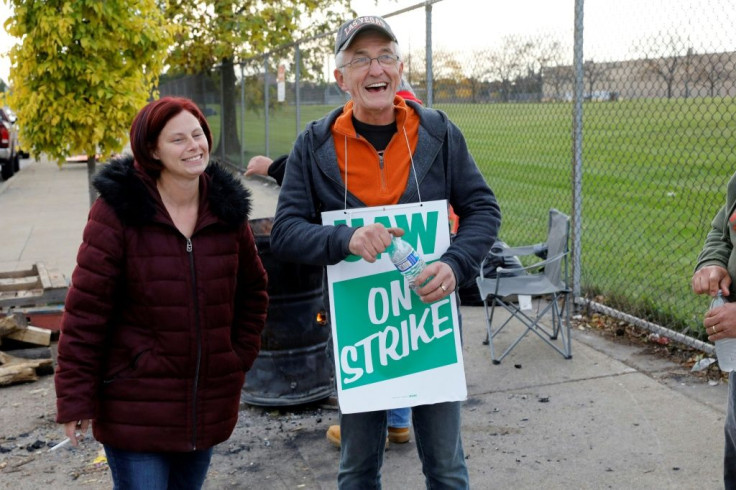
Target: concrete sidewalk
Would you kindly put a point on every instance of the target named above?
(611, 417)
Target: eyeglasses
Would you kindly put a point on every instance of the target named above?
(386, 60)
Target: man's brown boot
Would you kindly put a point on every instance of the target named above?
(333, 435)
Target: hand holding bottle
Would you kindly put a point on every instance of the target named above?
(407, 260)
(370, 240)
(441, 282)
(719, 325)
(720, 320)
(710, 279)
(430, 282)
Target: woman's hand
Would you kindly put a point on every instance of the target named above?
(76, 431)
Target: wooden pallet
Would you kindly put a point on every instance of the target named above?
(36, 286)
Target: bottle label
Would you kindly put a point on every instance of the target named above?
(408, 262)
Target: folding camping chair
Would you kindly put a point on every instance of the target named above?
(545, 281)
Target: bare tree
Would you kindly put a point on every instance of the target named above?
(558, 78)
(689, 70)
(593, 73)
(507, 62)
(666, 69)
(477, 74)
(541, 52)
(663, 57)
(713, 69)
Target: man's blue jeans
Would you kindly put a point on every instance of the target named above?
(133, 470)
(437, 434)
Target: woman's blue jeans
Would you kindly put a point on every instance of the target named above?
(399, 418)
(133, 470)
(437, 435)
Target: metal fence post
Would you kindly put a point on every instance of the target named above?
(265, 104)
(577, 149)
(297, 82)
(223, 138)
(203, 83)
(242, 115)
(428, 18)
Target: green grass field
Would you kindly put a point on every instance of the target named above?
(654, 173)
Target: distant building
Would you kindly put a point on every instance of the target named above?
(688, 75)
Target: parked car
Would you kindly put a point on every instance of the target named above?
(9, 158)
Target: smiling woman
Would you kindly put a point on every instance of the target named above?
(182, 148)
(183, 151)
(166, 308)
(174, 142)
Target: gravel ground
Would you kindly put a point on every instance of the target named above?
(27, 418)
(287, 449)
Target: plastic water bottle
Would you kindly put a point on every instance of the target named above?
(725, 348)
(406, 260)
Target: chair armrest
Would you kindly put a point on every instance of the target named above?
(510, 271)
(536, 265)
(500, 249)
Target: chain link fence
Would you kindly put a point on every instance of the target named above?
(632, 132)
(658, 139)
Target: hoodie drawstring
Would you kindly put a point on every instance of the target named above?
(411, 159)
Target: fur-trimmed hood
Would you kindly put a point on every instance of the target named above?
(160, 320)
(127, 189)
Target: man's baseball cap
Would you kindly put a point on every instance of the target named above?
(350, 29)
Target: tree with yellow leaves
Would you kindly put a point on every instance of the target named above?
(82, 70)
(225, 32)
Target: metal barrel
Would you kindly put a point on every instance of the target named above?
(295, 364)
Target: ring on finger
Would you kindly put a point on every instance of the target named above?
(443, 288)
(714, 330)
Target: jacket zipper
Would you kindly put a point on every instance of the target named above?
(199, 343)
(382, 170)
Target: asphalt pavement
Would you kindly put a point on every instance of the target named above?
(610, 417)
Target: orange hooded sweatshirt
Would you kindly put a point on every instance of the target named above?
(374, 179)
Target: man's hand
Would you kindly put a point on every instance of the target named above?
(720, 322)
(258, 165)
(441, 282)
(710, 279)
(370, 240)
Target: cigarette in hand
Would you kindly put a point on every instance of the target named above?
(61, 444)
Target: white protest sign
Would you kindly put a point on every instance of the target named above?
(392, 350)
